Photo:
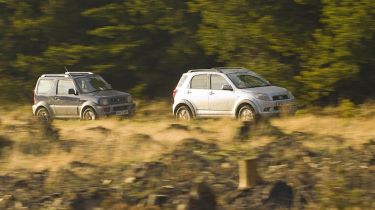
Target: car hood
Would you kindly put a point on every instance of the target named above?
(109, 93)
(270, 90)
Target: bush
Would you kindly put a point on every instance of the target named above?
(347, 108)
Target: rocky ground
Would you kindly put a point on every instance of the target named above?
(194, 174)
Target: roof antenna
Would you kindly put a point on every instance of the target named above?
(66, 71)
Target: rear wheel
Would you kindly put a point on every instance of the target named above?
(183, 113)
(43, 115)
(89, 114)
(246, 114)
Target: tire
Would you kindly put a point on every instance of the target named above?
(183, 113)
(89, 114)
(43, 115)
(246, 114)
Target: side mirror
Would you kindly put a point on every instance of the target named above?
(71, 91)
(226, 87)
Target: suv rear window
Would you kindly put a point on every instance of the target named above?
(199, 82)
(44, 86)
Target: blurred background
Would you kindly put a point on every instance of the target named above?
(322, 158)
(322, 50)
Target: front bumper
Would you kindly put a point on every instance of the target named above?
(274, 108)
(127, 109)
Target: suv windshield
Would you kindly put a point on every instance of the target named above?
(247, 81)
(92, 84)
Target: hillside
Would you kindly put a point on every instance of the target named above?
(315, 160)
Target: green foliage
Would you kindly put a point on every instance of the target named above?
(347, 108)
(320, 49)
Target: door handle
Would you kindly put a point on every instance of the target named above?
(57, 98)
(188, 92)
(211, 93)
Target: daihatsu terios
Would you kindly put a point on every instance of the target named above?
(235, 92)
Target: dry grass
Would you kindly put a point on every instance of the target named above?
(154, 131)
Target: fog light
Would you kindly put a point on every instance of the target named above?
(267, 109)
(107, 109)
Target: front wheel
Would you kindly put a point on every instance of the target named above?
(246, 114)
(183, 113)
(89, 114)
(43, 115)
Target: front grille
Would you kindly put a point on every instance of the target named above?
(119, 108)
(280, 97)
(118, 100)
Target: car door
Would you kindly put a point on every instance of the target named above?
(66, 104)
(220, 101)
(197, 93)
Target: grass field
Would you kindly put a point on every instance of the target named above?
(153, 133)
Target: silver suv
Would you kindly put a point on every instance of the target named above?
(78, 95)
(235, 92)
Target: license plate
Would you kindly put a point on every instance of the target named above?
(122, 112)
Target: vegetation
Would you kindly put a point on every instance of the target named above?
(321, 49)
(326, 158)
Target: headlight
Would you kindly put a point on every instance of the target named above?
(130, 99)
(104, 101)
(262, 96)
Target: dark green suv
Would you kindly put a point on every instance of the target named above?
(78, 95)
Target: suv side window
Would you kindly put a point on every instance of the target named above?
(217, 82)
(199, 82)
(45, 86)
(63, 87)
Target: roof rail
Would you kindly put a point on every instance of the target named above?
(77, 73)
(54, 75)
(229, 68)
(204, 70)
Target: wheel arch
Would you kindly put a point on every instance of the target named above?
(185, 103)
(86, 107)
(243, 103)
(45, 106)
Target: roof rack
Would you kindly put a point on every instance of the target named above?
(218, 69)
(229, 68)
(78, 73)
(204, 70)
(54, 75)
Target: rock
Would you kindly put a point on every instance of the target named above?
(201, 197)
(120, 206)
(5, 201)
(57, 203)
(181, 207)
(156, 200)
(129, 180)
(19, 206)
(192, 144)
(100, 129)
(78, 164)
(178, 127)
(106, 182)
(167, 187)
(281, 195)
(226, 165)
